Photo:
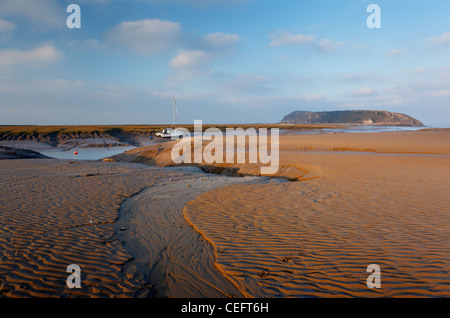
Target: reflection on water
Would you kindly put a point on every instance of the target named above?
(366, 128)
(373, 153)
(353, 129)
(85, 153)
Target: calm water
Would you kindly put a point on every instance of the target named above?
(85, 153)
(100, 153)
(354, 129)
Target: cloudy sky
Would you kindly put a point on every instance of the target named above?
(225, 61)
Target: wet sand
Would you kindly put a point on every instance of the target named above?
(142, 231)
(121, 223)
(315, 238)
(361, 199)
(55, 213)
(175, 259)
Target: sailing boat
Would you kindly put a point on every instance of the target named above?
(171, 132)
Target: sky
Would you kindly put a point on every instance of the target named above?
(225, 61)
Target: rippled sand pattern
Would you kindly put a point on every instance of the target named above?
(56, 213)
(316, 238)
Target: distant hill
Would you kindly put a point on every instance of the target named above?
(368, 117)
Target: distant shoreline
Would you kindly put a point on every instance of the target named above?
(29, 132)
(61, 141)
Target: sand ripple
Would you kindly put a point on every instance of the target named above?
(56, 213)
(173, 258)
(316, 238)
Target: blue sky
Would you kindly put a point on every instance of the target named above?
(235, 61)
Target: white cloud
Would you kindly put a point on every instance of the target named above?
(445, 73)
(444, 39)
(146, 37)
(194, 59)
(40, 13)
(189, 59)
(94, 1)
(6, 26)
(441, 93)
(247, 84)
(32, 86)
(209, 48)
(282, 38)
(203, 3)
(62, 102)
(327, 45)
(35, 57)
(194, 53)
(363, 91)
(353, 78)
(395, 52)
(85, 44)
(422, 87)
(310, 97)
(222, 39)
(286, 38)
(421, 70)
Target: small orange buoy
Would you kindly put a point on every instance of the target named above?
(75, 152)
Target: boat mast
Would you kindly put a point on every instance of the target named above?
(174, 112)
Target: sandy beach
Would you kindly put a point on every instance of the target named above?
(97, 215)
(138, 228)
(316, 238)
(56, 213)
